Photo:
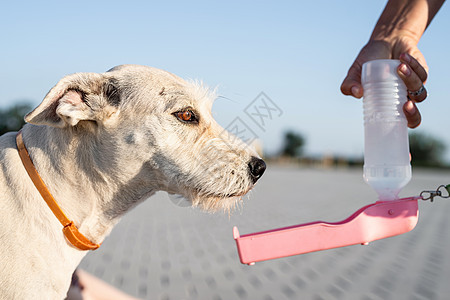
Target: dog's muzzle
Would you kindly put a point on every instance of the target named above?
(256, 168)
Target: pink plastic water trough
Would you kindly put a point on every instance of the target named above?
(376, 221)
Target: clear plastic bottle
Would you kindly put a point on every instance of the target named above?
(387, 166)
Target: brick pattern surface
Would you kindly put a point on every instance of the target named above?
(162, 251)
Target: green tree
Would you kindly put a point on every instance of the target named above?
(11, 119)
(293, 144)
(426, 150)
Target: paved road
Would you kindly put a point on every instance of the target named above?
(161, 251)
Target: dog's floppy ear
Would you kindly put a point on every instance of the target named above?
(75, 98)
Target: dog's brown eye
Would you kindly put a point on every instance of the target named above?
(186, 116)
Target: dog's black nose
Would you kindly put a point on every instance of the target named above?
(256, 167)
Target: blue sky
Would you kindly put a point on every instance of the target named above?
(296, 52)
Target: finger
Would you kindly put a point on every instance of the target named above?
(419, 95)
(415, 66)
(352, 88)
(412, 114)
(413, 82)
(351, 85)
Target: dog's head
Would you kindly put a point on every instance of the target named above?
(154, 131)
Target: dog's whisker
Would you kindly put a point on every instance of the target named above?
(226, 98)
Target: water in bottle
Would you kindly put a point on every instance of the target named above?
(387, 166)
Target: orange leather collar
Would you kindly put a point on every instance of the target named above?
(71, 232)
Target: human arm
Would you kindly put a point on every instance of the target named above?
(396, 35)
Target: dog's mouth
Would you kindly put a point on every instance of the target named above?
(213, 195)
(212, 201)
(209, 201)
(219, 191)
(220, 195)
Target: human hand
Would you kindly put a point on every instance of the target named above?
(413, 71)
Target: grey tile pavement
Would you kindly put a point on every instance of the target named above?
(161, 251)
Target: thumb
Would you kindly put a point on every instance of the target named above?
(351, 85)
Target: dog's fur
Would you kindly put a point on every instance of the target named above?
(102, 144)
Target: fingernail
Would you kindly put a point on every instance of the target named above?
(404, 70)
(410, 108)
(406, 57)
(355, 91)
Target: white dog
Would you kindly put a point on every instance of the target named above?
(102, 143)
